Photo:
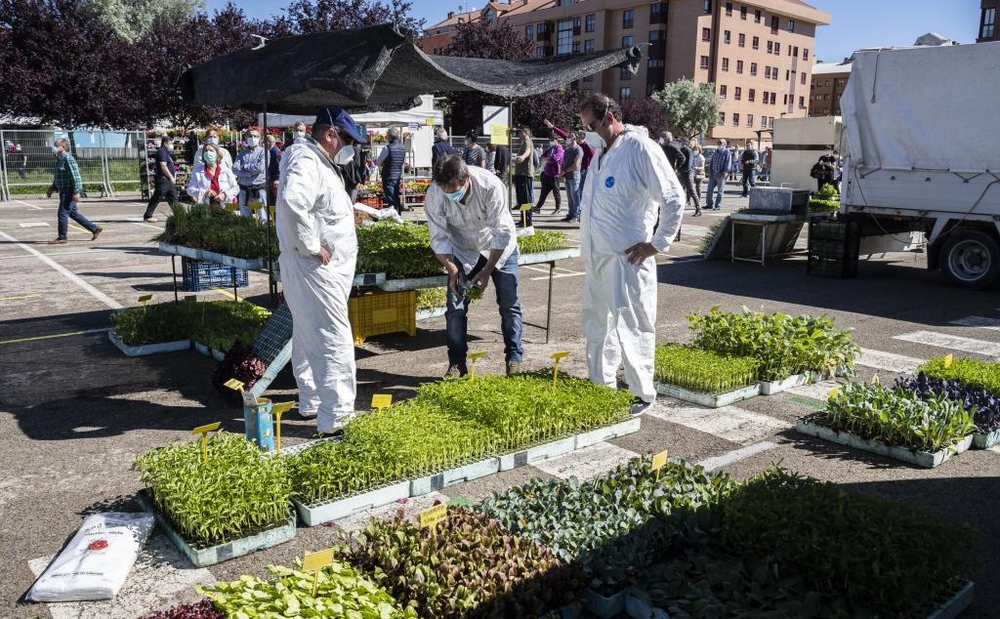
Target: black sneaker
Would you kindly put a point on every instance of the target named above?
(639, 406)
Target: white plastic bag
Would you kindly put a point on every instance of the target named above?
(96, 562)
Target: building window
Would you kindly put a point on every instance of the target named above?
(588, 46)
(739, 66)
(706, 34)
(624, 73)
(539, 52)
(743, 13)
(770, 47)
(749, 120)
(576, 47)
(723, 90)
(753, 68)
(774, 73)
(758, 15)
(802, 78)
(788, 75)
(785, 100)
(767, 72)
(656, 35)
(529, 32)
(791, 25)
(655, 63)
(742, 40)
(726, 36)
(628, 18)
(737, 94)
(704, 62)
(590, 23)
(725, 64)
(577, 25)
(802, 103)
(775, 22)
(839, 83)
(756, 42)
(655, 11)
(624, 93)
(564, 36)
(805, 53)
(729, 9)
(706, 6)
(777, 48)
(752, 95)
(736, 119)
(722, 118)
(627, 41)
(564, 2)
(989, 24)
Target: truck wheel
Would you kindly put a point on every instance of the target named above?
(971, 258)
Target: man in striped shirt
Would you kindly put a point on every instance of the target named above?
(718, 169)
(67, 182)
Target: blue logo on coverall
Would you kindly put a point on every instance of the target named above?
(609, 182)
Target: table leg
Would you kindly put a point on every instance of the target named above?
(548, 310)
(236, 294)
(173, 267)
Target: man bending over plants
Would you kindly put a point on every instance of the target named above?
(472, 234)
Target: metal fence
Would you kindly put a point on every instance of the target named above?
(109, 161)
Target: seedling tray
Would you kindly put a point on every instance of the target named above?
(604, 607)
(319, 513)
(711, 400)
(956, 604)
(180, 250)
(537, 453)
(923, 459)
(248, 264)
(771, 387)
(362, 280)
(985, 441)
(142, 350)
(457, 475)
(414, 283)
(203, 557)
(592, 437)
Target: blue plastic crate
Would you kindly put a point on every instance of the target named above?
(201, 275)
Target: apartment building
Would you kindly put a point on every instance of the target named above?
(828, 82)
(758, 53)
(988, 21)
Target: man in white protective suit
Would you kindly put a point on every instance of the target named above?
(319, 248)
(630, 185)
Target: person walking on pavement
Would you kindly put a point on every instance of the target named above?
(697, 175)
(441, 148)
(632, 188)
(164, 181)
(474, 155)
(273, 168)
(319, 248)
(390, 162)
(552, 159)
(718, 169)
(66, 181)
(748, 161)
(572, 159)
(251, 176)
(524, 171)
(685, 176)
(473, 235)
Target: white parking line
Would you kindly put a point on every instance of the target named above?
(729, 422)
(37, 208)
(710, 464)
(73, 277)
(952, 342)
(890, 362)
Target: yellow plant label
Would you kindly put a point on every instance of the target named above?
(317, 560)
(430, 121)
(431, 516)
(833, 393)
(556, 356)
(205, 429)
(476, 356)
(255, 204)
(280, 408)
(144, 298)
(234, 384)
(381, 400)
(270, 211)
(232, 206)
(526, 207)
(659, 460)
(948, 359)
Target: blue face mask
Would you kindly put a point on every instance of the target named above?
(456, 196)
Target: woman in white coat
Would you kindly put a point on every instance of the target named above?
(211, 182)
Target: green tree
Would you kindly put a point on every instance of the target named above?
(691, 108)
(131, 19)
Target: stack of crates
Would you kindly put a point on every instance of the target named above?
(201, 275)
(378, 313)
(833, 248)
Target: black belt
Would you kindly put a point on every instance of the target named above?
(253, 187)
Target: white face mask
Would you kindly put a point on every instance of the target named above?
(594, 140)
(300, 134)
(344, 156)
(212, 140)
(253, 142)
(55, 150)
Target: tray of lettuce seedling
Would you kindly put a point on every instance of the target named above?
(704, 377)
(971, 382)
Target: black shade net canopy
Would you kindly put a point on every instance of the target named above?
(378, 68)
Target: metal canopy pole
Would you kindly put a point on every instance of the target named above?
(272, 285)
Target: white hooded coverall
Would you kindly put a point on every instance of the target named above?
(313, 208)
(627, 187)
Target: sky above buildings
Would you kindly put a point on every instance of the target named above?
(856, 23)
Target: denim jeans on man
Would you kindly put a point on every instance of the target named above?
(573, 196)
(505, 279)
(390, 187)
(749, 180)
(717, 185)
(67, 211)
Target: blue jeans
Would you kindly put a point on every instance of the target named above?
(573, 196)
(717, 185)
(749, 180)
(248, 195)
(67, 211)
(505, 280)
(390, 187)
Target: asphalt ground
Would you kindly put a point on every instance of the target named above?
(75, 412)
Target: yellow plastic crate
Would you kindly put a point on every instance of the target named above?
(382, 312)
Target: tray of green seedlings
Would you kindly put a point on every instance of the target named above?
(149, 329)
(975, 383)
(896, 423)
(217, 325)
(431, 302)
(341, 591)
(704, 377)
(383, 457)
(524, 410)
(790, 349)
(230, 239)
(400, 250)
(236, 502)
(545, 246)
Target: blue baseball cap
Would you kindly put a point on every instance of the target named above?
(338, 117)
